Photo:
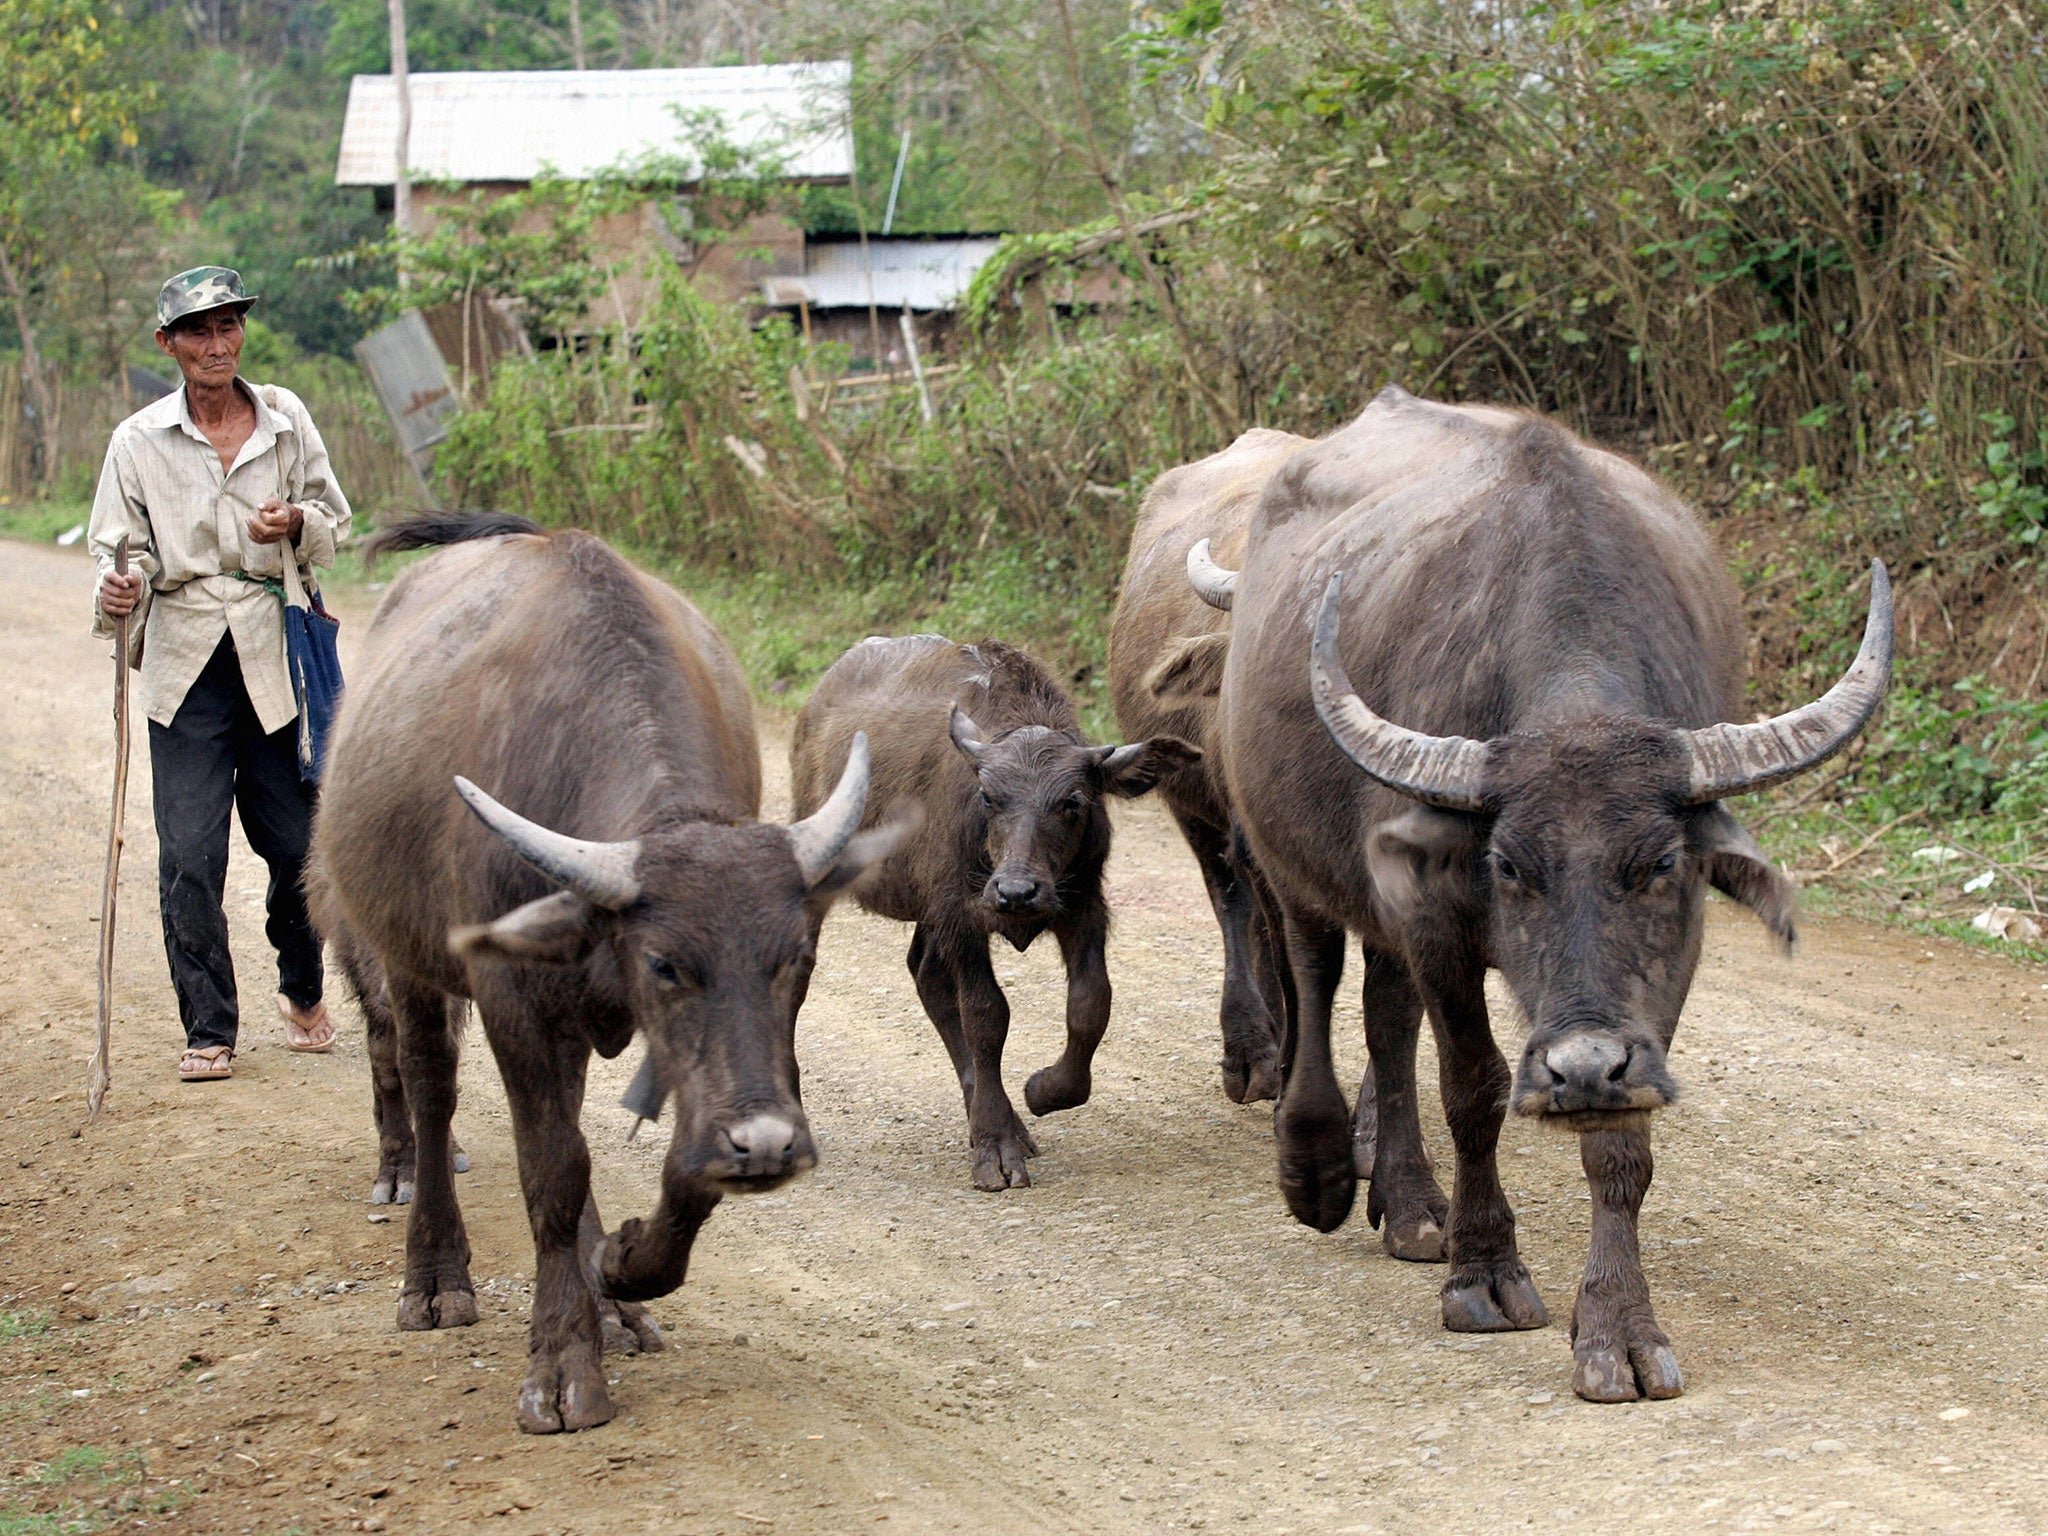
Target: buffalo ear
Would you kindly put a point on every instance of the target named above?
(1131, 770)
(1740, 870)
(556, 930)
(1419, 849)
(869, 848)
(1191, 671)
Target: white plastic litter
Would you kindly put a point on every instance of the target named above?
(1938, 853)
(2007, 923)
(71, 535)
(1981, 882)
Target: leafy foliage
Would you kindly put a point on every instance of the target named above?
(1775, 227)
(531, 246)
(462, 34)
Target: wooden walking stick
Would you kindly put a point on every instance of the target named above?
(98, 1076)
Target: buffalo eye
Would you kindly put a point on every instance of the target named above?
(1073, 805)
(1665, 865)
(987, 801)
(664, 970)
(1505, 871)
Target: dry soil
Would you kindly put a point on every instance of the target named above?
(1845, 1240)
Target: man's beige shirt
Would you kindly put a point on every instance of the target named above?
(187, 527)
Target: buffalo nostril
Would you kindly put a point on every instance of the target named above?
(1582, 1061)
(763, 1138)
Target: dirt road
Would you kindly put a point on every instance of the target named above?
(1845, 1240)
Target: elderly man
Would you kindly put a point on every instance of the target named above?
(216, 485)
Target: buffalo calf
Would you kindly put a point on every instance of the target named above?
(1013, 843)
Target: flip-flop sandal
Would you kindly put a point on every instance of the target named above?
(206, 1064)
(307, 1030)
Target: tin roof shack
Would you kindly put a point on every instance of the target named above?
(500, 129)
(925, 275)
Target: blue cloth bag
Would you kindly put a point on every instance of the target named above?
(314, 660)
(311, 654)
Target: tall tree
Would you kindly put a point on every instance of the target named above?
(63, 99)
(401, 80)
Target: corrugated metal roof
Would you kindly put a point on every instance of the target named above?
(919, 274)
(508, 125)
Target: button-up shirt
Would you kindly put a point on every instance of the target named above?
(188, 536)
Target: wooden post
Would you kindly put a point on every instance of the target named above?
(867, 265)
(401, 79)
(924, 395)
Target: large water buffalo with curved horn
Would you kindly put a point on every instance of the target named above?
(541, 795)
(1166, 649)
(1474, 712)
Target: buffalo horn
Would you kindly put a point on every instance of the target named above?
(965, 733)
(1438, 770)
(1731, 759)
(819, 839)
(1115, 759)
(601, 873)
(1212, 583)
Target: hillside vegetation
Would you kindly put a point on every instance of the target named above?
(1787, 252)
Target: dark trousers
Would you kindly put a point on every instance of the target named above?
(214, 755)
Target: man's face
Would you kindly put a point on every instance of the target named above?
(208, 346)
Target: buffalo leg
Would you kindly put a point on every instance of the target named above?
(1404, 1202)
(650, 1258)
(626, 1327)
(388, 1109)
(1276, 971)
(438, 1292)
(564, 1387)
(1268, 954)
(939, 991)
(1489, 1289)
(1621, 1354)
(1069, 1081)
(995, 1136)
(1251, 1064)
(1312, 1123)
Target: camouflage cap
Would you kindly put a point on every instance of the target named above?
(200, 289)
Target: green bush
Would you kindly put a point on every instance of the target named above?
(712, 441)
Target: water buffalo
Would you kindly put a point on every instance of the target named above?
(1528, 776)
(1166, 649)
(641, 896)
(1013, 843)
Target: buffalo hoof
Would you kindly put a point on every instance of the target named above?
(563, 1391)
(999, 1161)
(628, 1330)
(448, 1307)
(1050, 1089)
(1609, 1374)
(1418, 1239)
(1411, 1219)
(1498, 1298)
(1254, 1081)
(391, 1189)
(1622, 1364)
(1317, 1172)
